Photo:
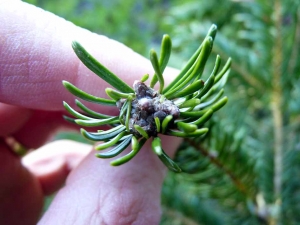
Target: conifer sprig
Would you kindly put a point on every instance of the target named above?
(178, 109)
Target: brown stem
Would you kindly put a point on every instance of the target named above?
(276, 105)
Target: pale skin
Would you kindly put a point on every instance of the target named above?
(35, 56)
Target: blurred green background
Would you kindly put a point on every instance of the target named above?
(247, 169)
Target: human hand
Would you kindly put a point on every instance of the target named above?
(35, 56)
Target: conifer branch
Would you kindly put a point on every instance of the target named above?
(236, 181)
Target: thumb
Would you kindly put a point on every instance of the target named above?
(36, 55)
(97, 193)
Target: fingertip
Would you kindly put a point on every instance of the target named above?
(52, 163)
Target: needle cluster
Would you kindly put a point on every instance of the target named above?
(179, 109)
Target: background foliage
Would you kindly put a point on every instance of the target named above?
(247, 169)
